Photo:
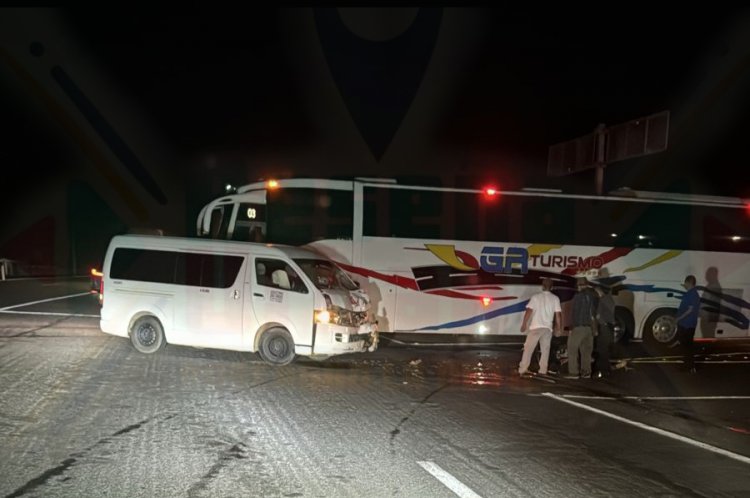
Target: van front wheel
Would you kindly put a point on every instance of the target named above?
(147, 335)
(276, 347)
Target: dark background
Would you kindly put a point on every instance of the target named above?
(172, 103)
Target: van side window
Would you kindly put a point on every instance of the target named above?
(143, 265)
(278, 274)
(168, 267)
(220, 271)
(207, 270)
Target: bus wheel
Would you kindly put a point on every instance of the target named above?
(660, 330)
(624, 325)
(147, 335)
(276, 347)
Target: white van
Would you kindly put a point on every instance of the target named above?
(279, 301)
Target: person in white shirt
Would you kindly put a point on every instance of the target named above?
(543, 314)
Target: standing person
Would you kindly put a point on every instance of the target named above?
(581, 339)
(543, 313)
(605, 316)
(687, 320)
(711, 298)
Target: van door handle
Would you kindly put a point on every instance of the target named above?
(236, 294)
(257, 294)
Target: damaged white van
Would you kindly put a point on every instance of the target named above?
(279, 301)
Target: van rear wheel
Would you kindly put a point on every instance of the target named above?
(277, 347)
(147, 335)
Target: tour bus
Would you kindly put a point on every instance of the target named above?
(276, 300)
(446, 260)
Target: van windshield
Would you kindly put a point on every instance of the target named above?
(326, 275)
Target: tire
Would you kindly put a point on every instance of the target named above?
(624, 326)
(277, 347)
(660, 330)
(147, 335)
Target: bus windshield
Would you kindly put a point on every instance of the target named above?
(326, 275)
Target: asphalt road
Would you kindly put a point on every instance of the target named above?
(83, 414)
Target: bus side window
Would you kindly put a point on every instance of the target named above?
(726, 230)
(663, 226)
(302, 215)
(547, 220)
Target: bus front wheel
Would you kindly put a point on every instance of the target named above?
(660, 330)
(147, 335)
(277, 347)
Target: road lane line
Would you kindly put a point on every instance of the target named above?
(658, 398)
(44, 301)
(448, 480)
(662, 432)
(44, 313)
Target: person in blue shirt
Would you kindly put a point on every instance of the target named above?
(687, 320)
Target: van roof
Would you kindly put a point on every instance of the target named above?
(198, 244)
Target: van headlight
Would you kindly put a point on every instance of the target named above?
(334, 315)
(322, 316)
(341, 316)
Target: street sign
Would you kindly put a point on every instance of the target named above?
(636, 138)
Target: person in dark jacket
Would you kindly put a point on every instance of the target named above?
(605, 317)
(581, 338)
(687, 320)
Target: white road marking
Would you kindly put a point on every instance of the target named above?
(448, 480)
(658, 398)
(662, 432)
(44, 313)
(44, 301)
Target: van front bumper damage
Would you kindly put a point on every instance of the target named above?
(337, 339)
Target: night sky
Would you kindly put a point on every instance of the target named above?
(234, 96)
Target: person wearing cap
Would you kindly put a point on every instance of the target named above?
(687, 320)
(581, 339)
(543, 313)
